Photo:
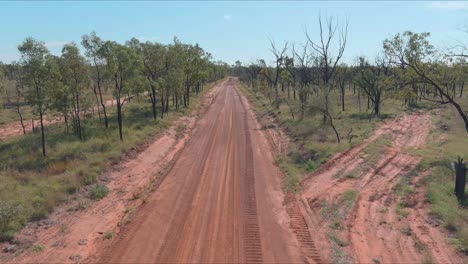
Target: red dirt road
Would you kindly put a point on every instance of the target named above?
(221, 202)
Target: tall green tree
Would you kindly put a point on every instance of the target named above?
(76, 76)
(373, 81)
(124, 65)
(155, 65)
(95, 51)
(39, 70)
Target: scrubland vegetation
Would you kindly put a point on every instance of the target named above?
(151, 84)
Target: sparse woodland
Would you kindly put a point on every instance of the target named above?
(409, 69)
(327, 106)
(87, 107)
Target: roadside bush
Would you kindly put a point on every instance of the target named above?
(98, 192)
(11, 217)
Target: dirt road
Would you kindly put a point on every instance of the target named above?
(221, 202)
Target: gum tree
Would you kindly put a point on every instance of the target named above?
(39, 73)
(124, 65)
(423, 65)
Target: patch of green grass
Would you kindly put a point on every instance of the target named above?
(37, 248)
(98, 192)
(109, 235)
(350, 196)
(334, 237)
(376, 149)
(292, 177)
(401, 211)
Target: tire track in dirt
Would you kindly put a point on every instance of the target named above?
(252, 241)
(301, 230)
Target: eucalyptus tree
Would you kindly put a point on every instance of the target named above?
(40, 72)
(124, 66)
(290, 67)
(304, 60)
(373, 80)
(95, 51)
(423, 65)
(155, 64)
(16, 76)
(76, 77)
(192, 63)
(342, 77)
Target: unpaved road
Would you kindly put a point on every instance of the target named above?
(221, 202)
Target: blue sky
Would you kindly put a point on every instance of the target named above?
(229, 30)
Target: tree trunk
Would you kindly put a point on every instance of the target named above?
(153, 100)
(119, 118)
(461, 89)
(167, 105)
(18, 110)
(377, 102)
(359, 99)
(103, 104)
(42, 133)
(334, 130)
(163, 106)
(342, 97)
(460, 178)
(78, 119)
(97, 103)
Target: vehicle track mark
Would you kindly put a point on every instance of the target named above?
(301, 230)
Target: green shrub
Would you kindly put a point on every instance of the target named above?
(12, 215)
(98, 192)
(310, 166)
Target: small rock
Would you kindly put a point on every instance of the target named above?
(82, 242)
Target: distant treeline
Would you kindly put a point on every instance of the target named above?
(409, 68)
(73, 86)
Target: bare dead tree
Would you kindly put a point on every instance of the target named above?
(279, 60)
(329, 34)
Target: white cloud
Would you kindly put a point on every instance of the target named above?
(227, 17)
(53, 44)
(449, 5)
